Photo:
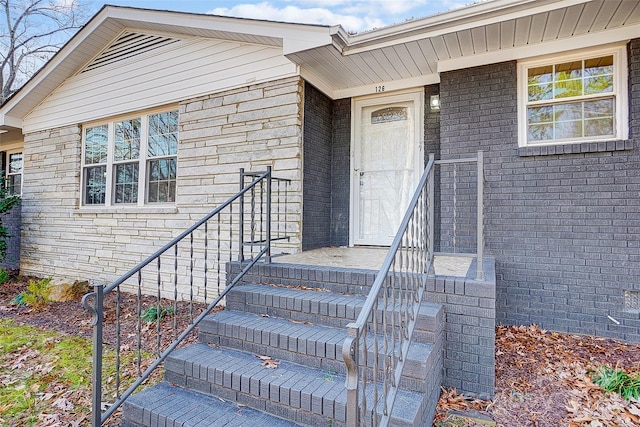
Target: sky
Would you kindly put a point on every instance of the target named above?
(354, 16)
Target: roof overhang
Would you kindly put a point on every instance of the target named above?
(111, 21)
(416, 52)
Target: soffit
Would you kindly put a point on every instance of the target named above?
(416, 52)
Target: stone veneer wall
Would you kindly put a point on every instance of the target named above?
(250, 127)
(561, 221)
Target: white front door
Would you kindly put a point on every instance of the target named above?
(387, 161)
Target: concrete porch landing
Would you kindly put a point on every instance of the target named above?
(371, 258)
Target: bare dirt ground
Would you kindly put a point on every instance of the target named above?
(542, 378)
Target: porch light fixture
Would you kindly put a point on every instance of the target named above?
(434, 102)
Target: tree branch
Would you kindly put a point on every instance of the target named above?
(35, 30)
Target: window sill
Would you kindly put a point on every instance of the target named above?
(584, 147)
(149, 209)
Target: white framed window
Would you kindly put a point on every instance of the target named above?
(131, 161)
(14, 172)
(572, 98)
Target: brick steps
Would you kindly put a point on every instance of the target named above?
(302, 327)
(302, 394)
(340, 280)
(171, 406)
(317, 346)
(319, 307)
(316, 306)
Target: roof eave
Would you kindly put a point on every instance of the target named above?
(476, 14)
(294, 37)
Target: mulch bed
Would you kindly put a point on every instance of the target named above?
(71, 318)
(545, 379)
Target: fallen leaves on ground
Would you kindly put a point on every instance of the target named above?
(543, 379)
(59, 391)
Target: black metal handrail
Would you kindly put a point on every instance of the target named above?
(260, 184)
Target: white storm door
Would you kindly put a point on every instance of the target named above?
(386, 164)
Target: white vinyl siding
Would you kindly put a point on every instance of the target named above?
(181, 70)
(573, 98)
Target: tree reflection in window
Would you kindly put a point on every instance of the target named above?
(162, 150)
(571, 100)
(126, 153)
(95, 153)
(116, 153)
(14, 174)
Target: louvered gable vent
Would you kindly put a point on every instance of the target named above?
(127, 46)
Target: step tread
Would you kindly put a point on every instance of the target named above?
(169, 405)
(290, 384)
(300, 292)
(300, 338)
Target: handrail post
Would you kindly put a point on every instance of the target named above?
(480, 225)
(268, 237)
(432, 210)
(350, 355)
(96, 377)
(241, 220)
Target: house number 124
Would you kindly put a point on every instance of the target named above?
(379, 89)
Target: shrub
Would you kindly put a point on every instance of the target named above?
(4, 275)
(155, 313)
(618, 381)
(36, 295)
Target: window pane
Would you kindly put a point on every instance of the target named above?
(571, 120)
(598, 117)
(565, 112)
(540, 114)
(568, 79)
(15, 184)
(571, 129)
(95, 145)
(598, 74)
(598, 127)
(163, 134)
(15, 163)
(126, 185)
(540, 83)
(127, 140)
(540, 132)
(95, 185)
(568, 71)
(598, 108)
(162, 180)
